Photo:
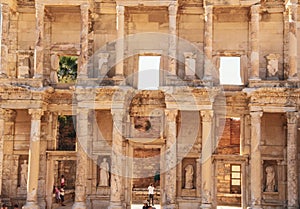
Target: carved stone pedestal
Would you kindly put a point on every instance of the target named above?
(32, 205)
(115, 206)
(188, 192)
(21, 191)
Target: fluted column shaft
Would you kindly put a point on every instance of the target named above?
(39, 41)
(292, 177)
(254, 42)
(206, 160)
(34, 159)
(120, 41)
(255, 162)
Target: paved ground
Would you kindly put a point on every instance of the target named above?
(69, 206)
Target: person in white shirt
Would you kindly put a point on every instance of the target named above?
(151, 194)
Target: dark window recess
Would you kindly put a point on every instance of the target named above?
(66, 137)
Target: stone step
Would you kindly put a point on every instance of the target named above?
(140, 195)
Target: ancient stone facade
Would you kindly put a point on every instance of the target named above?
(201, 142)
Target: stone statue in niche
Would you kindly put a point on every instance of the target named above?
(54, 68)
(270, 179)
(189, 174)
(104, 173)
(272, 66)
(24, 174)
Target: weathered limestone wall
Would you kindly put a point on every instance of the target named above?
(227, 21)
(26, 30)
(229, 142)
(22, 131)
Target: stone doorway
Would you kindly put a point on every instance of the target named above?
(146, 170)
(60, 163)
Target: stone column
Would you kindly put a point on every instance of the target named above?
(83, 58)
(208, 37)
(116, 160)
(292, 37)
(255, 162)
(39, 41)
(172, 38)
(292, 177)
(206, 161)
(33, 159)
(82, 161)
(2, 112)
(170, 158)
(120, 42)
(254, 42)
(4, 40)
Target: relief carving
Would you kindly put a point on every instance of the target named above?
(272, 66)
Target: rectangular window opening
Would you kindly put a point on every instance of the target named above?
(148, 74)
(235, 179)
(230, 71)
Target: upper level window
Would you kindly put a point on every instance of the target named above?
(67, 72)
(230, 71)
(148, 74)
(235, 179)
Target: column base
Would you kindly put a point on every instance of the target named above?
(295, 79)
(170, 206)
(79, 205)
(31, 205)
(115, 205)
(206, 205)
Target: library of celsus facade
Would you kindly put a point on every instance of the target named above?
(199, 98)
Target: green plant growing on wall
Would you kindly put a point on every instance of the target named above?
(67, 72)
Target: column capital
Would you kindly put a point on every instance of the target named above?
(255, 9)
(171, 115)
(208, 9)
(120, 9)
(256, 115)
(36, 114)
(9, 115)
(292, 117)
(173, 7)
(39, 5)
(84, 6)
(207, 115)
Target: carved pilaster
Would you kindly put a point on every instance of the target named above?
(82, 162)
(206, 160)
(34, 159)
(170, 157)
(39, 40)
(255, 42)
(255, 163)
(292, 181)
(172, 37)
(120, 42)
(83, 58)
(208, 32)
(116, 160)
(292, 46)
(4, 40)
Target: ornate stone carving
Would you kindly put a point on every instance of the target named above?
(189, 177)
(272, 66)
(171, 115)
(207, 116)
(54, 68)
(104, 173)
(292, 117)
(270, 179)
(36, 114)
(9, 115)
